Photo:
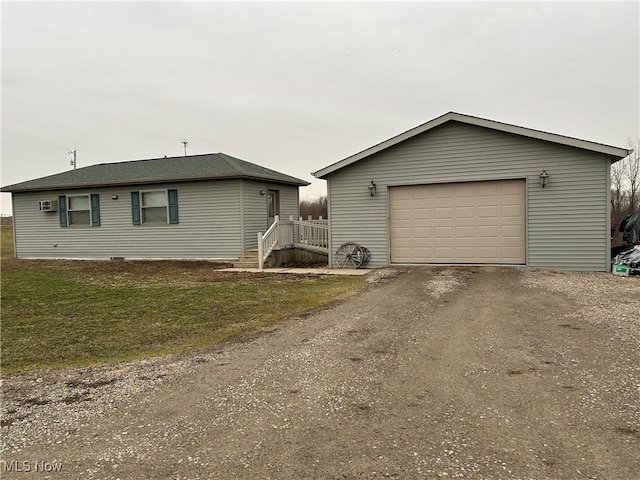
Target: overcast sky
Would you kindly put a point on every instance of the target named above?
(298, 86)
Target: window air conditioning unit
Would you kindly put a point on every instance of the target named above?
(48, 205)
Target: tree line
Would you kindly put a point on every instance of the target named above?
(316, 207)
(625, 186)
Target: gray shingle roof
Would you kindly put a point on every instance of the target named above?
(173, 169)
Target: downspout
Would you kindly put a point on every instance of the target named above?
(241, 216)
(607, 268)
(330, 242)
(13, 225)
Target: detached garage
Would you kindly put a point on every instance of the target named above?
(466, 190)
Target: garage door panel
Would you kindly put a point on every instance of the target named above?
(405, 242)
(463, 190)
(422, 232)
(405, 225)
(484, 189)
(440, 193)
(474, 222)
(422, 242)
(443, 232)
(422, 213)
(488, 231)
(488, 211)
(514, 231)
(422, 252)
(444, 251)
(512, 254)
(400, 194)
(466, 253)
(465, 212)
(489, 242)
(443, 212)
(404, 254)
(511, 188)
(402, 233)
(510, 242)
(403, 214)
(465, 232)
(488, 252)
(507, 211)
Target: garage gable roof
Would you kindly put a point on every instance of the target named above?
(211, 166)
(480, 122)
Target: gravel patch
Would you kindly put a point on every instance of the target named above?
(476, 373)
(607, 300)
(34, 403)
(610, 303)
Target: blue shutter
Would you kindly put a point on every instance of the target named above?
(95, 210)
(62, 208)
(135, 208)
(173, 206)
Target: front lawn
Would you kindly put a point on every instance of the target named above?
(70, 313)
(6, 241)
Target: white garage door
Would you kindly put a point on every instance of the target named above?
(472, 222)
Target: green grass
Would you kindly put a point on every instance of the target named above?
(6, 241)
(73, 313)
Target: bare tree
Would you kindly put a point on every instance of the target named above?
(625, 188)
(316, 207)
(632, 176)
(618, 194)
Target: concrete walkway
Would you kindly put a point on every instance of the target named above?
(303, 271)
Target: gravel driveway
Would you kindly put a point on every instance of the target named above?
(485, 373)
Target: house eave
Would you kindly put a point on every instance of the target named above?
(615, 152)
(146, 181)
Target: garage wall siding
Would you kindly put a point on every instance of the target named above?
(209, 214)
(566, 222)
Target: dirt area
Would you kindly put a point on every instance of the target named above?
(486, 373)
(190, 271)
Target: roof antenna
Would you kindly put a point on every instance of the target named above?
(185, 143)
(73, 161)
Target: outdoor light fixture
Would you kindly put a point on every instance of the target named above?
(372, 188)
(114, 197)
(544, 177)
(262, 192)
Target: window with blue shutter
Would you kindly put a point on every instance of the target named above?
(95, 210)
(173, 206)
(154, 207)
(62, 208)
(135, 208)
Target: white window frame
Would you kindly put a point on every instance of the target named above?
(69, 210)
(142, 207)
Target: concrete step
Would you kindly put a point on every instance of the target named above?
(248, 259)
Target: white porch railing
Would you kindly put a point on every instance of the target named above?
(267, 242)
(306, 234)
(311, 234)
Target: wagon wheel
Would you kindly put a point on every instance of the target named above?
(350, 255)
(366, 256)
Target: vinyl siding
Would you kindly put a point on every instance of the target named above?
(289, 201)
(567, 224)
(255, 207)
(209, 216)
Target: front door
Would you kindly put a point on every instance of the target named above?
(273, 204)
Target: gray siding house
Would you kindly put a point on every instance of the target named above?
(466, 190)
(194, 207)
